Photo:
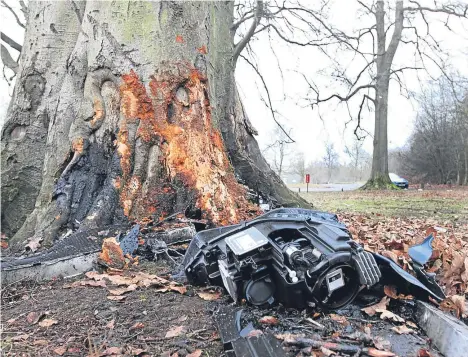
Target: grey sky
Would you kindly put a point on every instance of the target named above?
(308, 128)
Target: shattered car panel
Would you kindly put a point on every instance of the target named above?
(296, 257)
(243, 341)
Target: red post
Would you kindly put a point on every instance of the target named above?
(307, 181)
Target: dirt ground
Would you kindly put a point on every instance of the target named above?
(88, 324)
(53, 319)
(84, 314)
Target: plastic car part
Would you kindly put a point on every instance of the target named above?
(292, 256)
(421, 253)
(239, 341)
(422, 286)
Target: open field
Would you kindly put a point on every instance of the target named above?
(440, 204)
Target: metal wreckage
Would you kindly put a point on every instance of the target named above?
(299, 258)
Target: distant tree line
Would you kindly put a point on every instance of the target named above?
(437, 151)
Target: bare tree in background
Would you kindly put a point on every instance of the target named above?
(370, 86)
(438, 151)
(298, 166)
(358, 157)
(330, 158)
(279, 151)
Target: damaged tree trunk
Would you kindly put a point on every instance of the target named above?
(127, 110)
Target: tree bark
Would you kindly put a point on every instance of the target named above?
(34, 106)
(132, 112)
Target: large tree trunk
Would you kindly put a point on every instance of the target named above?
(47, 46)
(379, 173)
(131, 111)
(384, 59)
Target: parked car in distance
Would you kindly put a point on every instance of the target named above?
(398, 181)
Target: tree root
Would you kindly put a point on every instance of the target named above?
(379, 183)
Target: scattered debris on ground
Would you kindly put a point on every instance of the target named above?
(133, 306)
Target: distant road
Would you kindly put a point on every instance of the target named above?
(326, 187)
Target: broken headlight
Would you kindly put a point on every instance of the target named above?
(292, 256)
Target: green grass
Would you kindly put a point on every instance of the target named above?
(442, 204)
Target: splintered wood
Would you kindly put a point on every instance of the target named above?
(186, 155)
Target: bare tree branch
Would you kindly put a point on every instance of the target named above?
(12, 43)
(14, 14)
(392, 47)
(24, 10)
(458, 10)
(346, 98)
(270, 105)
(243, 42)
(8, 61)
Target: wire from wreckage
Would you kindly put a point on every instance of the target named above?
(339, 347)
(316, 344)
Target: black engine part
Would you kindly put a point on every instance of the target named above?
(300, 258)
(293, 256)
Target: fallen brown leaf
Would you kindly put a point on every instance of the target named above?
(182, 318)
(40, 343)
(385, 314)
(116, 298)
(175, 331)
(74, 350)
(390, 291)
(269, 320)
(288, 337)
(391, 255)
(79, 283)
(137, 325)
(460, 306)
(255, 333)
(338, 318)
(327, 352)
(120, 291)
(209, 296)
(180, 289)
(34, 317)
(111, 324)
(196, 353)
(48, 322)
(424, 353)
(380, 343)
(21, 337)
(378, 353)
(382, 305)
(60, 350)
(402, 330)
(112, 351)
(136, 351)
(94, 275)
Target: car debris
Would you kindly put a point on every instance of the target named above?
(129, 243)
(299, 258)
(244, 341)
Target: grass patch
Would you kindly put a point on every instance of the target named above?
(441, 204)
